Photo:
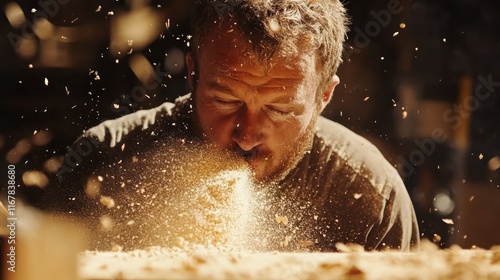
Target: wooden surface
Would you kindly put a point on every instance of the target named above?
(158, 264)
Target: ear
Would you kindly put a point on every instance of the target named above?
(328, 92)
(191, 67)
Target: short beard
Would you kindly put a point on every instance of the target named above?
(293, 156)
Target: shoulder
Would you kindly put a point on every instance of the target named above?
(112, 132)
(356, 183)
(354, 152)
(112, 142)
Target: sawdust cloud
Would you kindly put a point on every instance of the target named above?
(181, 195)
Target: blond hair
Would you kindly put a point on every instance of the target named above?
(280, 26)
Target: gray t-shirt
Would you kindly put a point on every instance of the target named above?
(342, 191)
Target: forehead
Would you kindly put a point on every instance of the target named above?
(225, 50)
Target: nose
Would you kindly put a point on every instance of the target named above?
(248, 132)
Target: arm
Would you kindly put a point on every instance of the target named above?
(103, 146)
(397, 227)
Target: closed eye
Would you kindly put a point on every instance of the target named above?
(227, 102)
(280, 111)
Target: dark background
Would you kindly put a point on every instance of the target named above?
(406, 75)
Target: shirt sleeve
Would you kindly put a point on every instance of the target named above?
(103, 147)
(365, 199)
(397, 227)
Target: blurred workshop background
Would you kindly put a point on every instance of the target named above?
(420, 79)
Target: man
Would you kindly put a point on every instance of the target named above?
(261, 72)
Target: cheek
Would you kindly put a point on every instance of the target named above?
(285, 135)
(217, 128)
(297, 127)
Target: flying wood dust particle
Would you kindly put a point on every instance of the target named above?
(448, 221)
(106, 222)
(282, 219)
(107, 201)
(93, 187)
(35, 178)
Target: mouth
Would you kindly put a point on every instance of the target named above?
(248, 155)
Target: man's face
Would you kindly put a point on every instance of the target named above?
(264, 111)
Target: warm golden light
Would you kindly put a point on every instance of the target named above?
(35, 178)
(14, 14)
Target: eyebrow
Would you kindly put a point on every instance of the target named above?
(280, 99)
(215, 85)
